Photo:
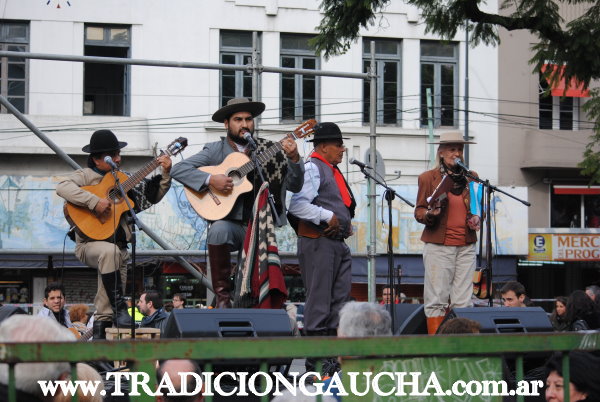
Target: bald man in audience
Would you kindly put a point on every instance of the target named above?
(173, 368)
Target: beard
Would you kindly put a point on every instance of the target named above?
(236, 138)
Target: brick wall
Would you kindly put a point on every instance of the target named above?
(80, 285)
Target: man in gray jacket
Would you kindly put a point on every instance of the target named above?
(284, 171)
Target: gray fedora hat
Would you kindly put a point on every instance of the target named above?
(238, 105)
(452, 137)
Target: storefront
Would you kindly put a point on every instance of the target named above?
(561, 260)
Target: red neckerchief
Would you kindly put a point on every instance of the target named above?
(339, 179)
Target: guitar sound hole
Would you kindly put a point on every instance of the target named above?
(114, 195)
(235, 175)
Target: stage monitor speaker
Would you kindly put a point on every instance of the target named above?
(7, 311)
(409, 319)
(227, 323)
(505, 319)
(230, 323)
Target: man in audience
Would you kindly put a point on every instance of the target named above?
(362, 319)
(26, 328)
(178, 301)
(54, 305)
(131, 310)
(172, 368)
(513, 294)
(359, 320)
(593, 292)
(150, 304)
(459, 325)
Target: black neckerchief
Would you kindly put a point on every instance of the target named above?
(100, 172)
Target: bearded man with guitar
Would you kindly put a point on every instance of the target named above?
(224, 196)
(90, 205)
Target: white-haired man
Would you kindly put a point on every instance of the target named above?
(26, 328)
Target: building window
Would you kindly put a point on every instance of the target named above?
(298, 92)
(575, 206)
(14, 37)
(557, 112)
(439, 73)
(236, 48)
(388, 62)
(106, 86)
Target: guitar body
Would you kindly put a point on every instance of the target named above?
(212, 204)
(87, 222)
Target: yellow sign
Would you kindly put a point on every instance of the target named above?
(540, 247)
(564, 246)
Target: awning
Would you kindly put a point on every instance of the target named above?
(574, 89)
(577, 190)
(413, 271)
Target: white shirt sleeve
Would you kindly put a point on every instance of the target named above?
(301, 203)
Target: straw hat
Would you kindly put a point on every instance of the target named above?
(452, 137)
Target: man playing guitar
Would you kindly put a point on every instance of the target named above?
(282, 172)
(109, 255)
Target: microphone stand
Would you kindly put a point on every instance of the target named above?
(389, 194)
(132, 220)
(486, 211)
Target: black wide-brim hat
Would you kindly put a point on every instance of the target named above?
(238, 105)
(327, 132)
(103, 141)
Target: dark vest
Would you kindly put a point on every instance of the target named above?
(329, 196)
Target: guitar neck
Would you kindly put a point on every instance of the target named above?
(138, 176)
(265, 156)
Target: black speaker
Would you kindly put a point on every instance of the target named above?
(409, 319)
(7, 311)
(505, 319)
(227, 323)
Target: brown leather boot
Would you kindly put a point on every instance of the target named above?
(433, 323)
(220, 272)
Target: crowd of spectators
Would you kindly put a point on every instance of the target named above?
(580, 311)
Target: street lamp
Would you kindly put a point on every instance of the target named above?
(9, 191)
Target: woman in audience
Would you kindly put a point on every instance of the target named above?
(583, 373)
(79, 318)
(558, 318)
(582, 312)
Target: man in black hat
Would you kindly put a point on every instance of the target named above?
(325, 207)
(283, 172)
(109, 256)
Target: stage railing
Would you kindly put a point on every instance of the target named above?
(465, 357)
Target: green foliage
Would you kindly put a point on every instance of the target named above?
(590, 166)
(341, 24)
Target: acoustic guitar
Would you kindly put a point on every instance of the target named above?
(82, 337)
(88, 223)
(212, 204)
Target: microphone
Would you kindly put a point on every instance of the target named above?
(458, 162)
(359, 164)
(108, 160)
(250, 140)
